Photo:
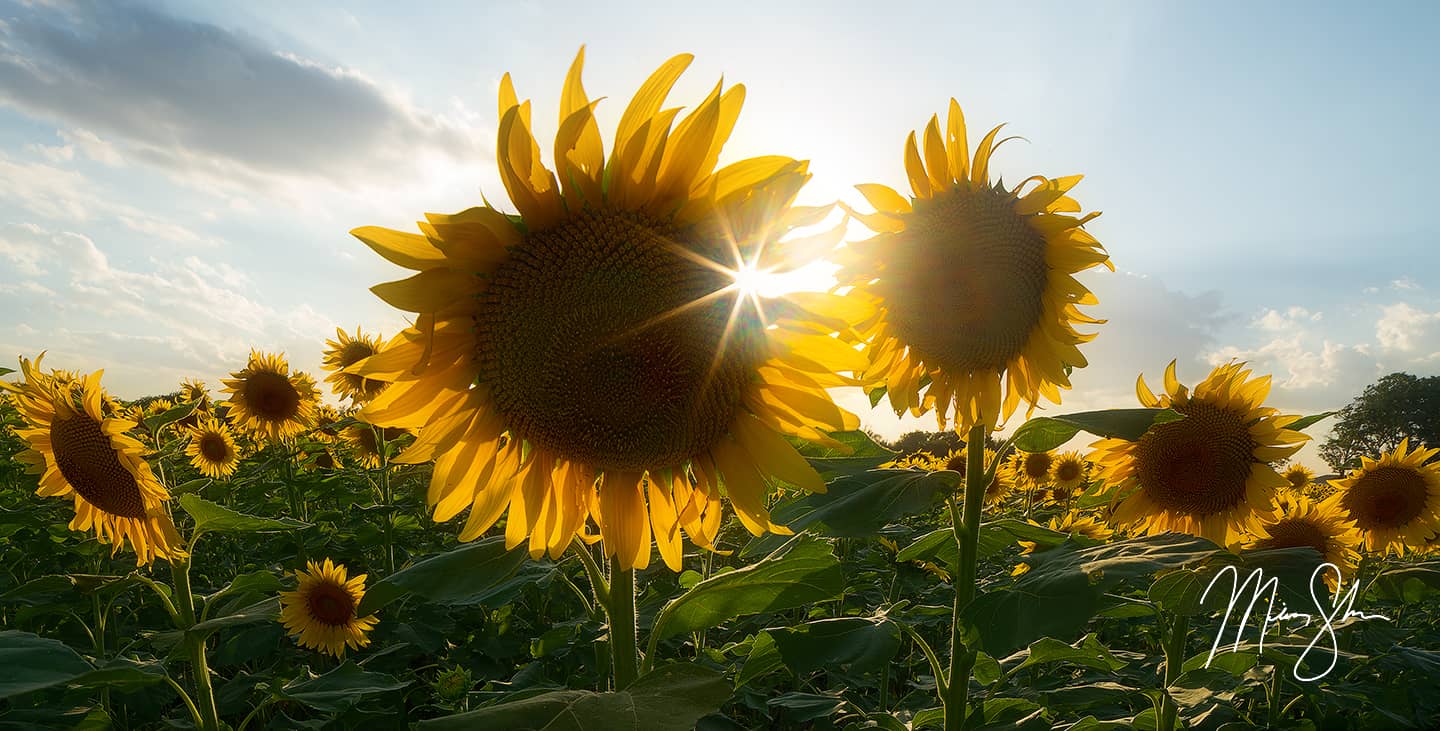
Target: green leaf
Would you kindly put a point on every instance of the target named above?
(1066, 585)
(860, 505)
(1178, 592)
(802, 707)
(876, 395)
(1045, 433)
(860, 453)
(855, 645)
(1305, 422)
(122, 673)
(340, 688)
(470, 574)
(801, 573)
(154, 423)
(30, 662)
(265, 610)
(1088, 652)
(1409, 584)
(763, 659)
(6, 371)
(212, 518)
(669, 698)
(42, 591)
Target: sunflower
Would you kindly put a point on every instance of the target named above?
(321, 610)
(1072, 523)
(212, 448)
(1006, 479)
(159, 406)
(1207, 474)
(363, 443)
(345, 351)
(1394, 500)
(601, 351)
(1033, 468)
(922, 461)
(1299, 476)
(1323, 527)
(194, 390)
(269, 401)
(973, 281)
(1067, 475)
(80, 452)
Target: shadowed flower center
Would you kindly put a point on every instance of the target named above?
(213, 447)
(1199, 465)
(605, 343)
(1386, 497)
(271, 396)
(87, 460)
(331, 604)
(1037, 465)
(1294, 533)
(1068, 471)
(965, 280)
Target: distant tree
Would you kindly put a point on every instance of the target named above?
(938, 443)
(1396, 407)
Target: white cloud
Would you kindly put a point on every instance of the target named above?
(1411, 331)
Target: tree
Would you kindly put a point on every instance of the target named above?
(938, 443)
(1396, 407)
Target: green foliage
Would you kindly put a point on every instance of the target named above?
(1398, 406)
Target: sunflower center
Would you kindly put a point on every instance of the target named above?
(966, 280)
(1199, 465)
(213, 447)
(271, 396)
(1037, 465)
(87, 460)
(606, 342)
(1067, 471)
(331, 604)
(1386, 497)
(1294, 533)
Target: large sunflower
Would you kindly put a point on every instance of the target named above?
(1208, 473)
(974, 282)
(321, 610)
(268, 400)
(347, 350)
(1394, 500)
(600, 350)
(1322, 527)
(212, 448)
(80, 452)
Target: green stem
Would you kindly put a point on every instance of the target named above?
(1173, 644)
(624, 649)
(385, 498)
(966, 529)
(1276, 679)
(195, 645)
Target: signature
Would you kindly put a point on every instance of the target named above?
(1275, 612)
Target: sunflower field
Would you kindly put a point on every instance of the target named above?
(600, 483)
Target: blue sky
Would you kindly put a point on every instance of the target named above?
(178, 179)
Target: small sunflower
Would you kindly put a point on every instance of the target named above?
(1323, 527)
(1005, 482)
(194, 390)
(1067, 475)
(599, 356)
(1034, 468)
(1394, 500)
(212, 448)
(1073, 523)
(920, 461)
(269, 401)
(363, 444)
(1299, 476)
(1207, 474)
(973, 281)
(321, 610)
(159, 406)
(345, 351)
(80, 452)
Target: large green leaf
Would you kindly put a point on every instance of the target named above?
(1306, 422)
(1066, 584)
(340, 688)
(669, 698)
(803, 572)
(862, 504)
(1408, 584)
(1045, 433)
(154, 423)
(855, 645)
(30, 662)
(212, 518)
(1087, 652)
(470, 574)
(860, 453)
(265, 610)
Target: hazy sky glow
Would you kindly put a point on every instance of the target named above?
(176, 181)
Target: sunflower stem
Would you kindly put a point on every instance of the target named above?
(1173, 643)
(966, 529)
(385, 499)
(195, 645)
(624, 649)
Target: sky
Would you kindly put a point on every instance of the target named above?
(177, 180)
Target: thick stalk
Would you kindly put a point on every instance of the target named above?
(199, 666)
(1174, 646)
(624, 649)
(966, 529)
